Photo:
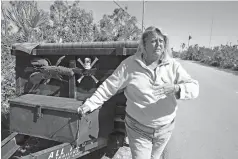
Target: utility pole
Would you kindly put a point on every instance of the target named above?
(211, 33)
(143, 10)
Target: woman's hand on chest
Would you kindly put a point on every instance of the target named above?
(164, 89)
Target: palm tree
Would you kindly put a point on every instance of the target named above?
(58, 12)
(196, 46)
(183, 46)
(26, 17)
(189, 38)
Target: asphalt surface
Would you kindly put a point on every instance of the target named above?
(207, 127)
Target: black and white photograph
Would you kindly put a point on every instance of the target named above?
(119, 79)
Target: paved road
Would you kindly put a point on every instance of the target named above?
(207, 127)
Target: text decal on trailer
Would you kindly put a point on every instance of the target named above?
(64, 153)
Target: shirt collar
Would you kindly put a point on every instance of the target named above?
(165, 61)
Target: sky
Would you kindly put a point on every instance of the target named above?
(178, 19)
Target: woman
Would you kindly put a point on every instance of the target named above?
(152, 80)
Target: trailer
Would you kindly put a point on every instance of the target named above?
(52, 81)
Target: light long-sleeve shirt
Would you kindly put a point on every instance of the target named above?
(138, 82)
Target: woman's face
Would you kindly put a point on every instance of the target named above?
(154, 45)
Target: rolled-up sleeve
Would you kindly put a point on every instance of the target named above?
(189, 88)
(109, 87)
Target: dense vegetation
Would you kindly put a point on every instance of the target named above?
(223, 56)
(22, 21)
